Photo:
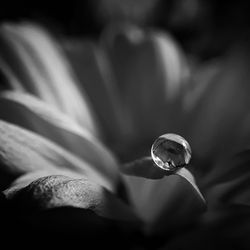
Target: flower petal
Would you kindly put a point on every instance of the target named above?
(76, 208)
(159, 200)
(22, 151)
(219, 114)
(58, 190)
(146, 168)
(148, 87)
(93, 70)
(34, 115)
(34, 62)
(228, 182)
(143, 167)
(151, 74)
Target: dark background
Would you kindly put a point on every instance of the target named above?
(204, 27)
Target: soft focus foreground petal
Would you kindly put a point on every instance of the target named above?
(226, 228)
(149, 70)
(22, 151)
(35, 63)
(35, 115)
(74, 207)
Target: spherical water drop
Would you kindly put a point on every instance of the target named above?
(170, 152)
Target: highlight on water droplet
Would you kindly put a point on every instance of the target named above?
(170, 152)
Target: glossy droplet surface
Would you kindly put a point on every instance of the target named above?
(170, 151)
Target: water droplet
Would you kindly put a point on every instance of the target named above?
(170, 151)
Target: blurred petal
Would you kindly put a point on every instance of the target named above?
(228, 182)
(186, 174)
(34, 115)
(149, 88)
(146, 168)
(151, 73)
(221, 112)
(230, 168)
(75, 208)
(159, 200)
(156, 89)
(174, 64)
(22, 151)
(143, 167)
(58, 190)
(93, 70)
(35, 63)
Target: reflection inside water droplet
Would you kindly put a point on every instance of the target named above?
(170, 151)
